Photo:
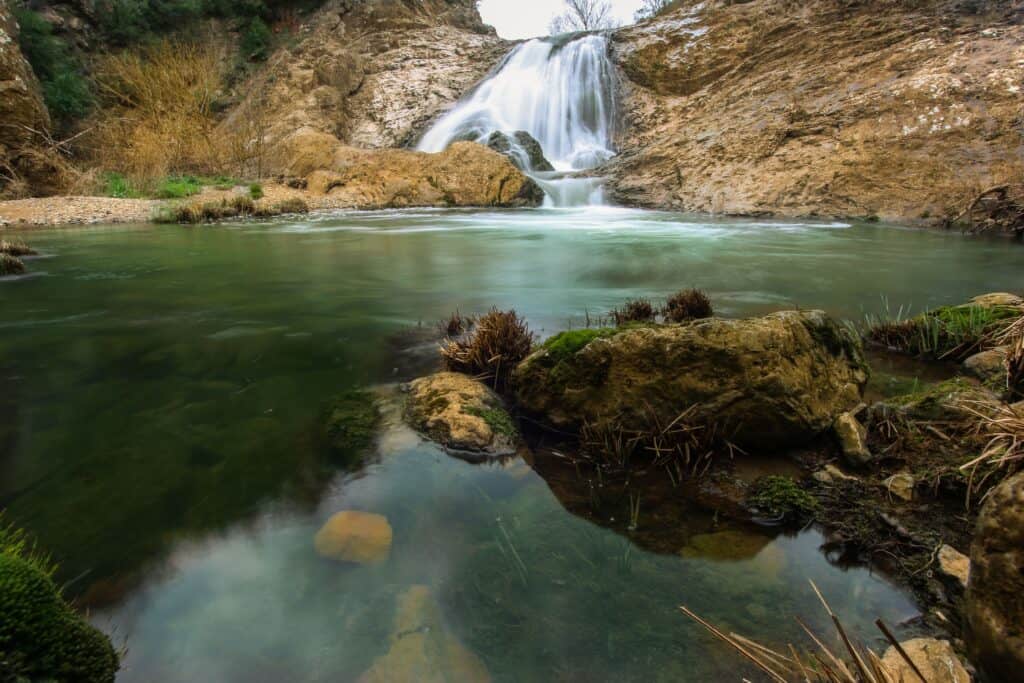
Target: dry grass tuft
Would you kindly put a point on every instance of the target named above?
(16, 248)
(634, 311)
(456, 325)
(1003, 425)
(10, 265)
(500, 340)
(687, 304)
(857, 664)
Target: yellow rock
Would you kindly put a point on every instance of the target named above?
(351, 536)
(934, 658)
(421, 648)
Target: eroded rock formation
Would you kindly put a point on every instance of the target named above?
(901, 110)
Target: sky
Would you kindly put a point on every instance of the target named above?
(529, 18)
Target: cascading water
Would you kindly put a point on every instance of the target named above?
(560, 91)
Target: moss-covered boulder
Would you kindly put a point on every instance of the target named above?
(768, 382)
(41, 636)
(461, 414)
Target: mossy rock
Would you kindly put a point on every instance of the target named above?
(938, 402)
(350, 425)
(41, 636)
(767, 382)
(461, 414)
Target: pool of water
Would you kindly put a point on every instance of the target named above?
(159, 392)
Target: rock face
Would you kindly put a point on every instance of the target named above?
(520, 143)
(934, 658)
(768, 382)
(21, 106)
(462, 414)
(837, 108)
(422, 649)
(360, 537)
(995, 592)
(465, 174)
(372, 73)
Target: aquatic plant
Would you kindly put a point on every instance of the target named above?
(10, 265)
(687, 304)
(781, 496)
(349, 425)
(500, 340)
(16, 248)
(950, 332)
(860, 664)
(41, 636)
(634, 310)
(456, 324)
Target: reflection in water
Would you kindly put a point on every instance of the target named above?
(168, 379)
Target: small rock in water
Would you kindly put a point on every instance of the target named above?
(360, 537)
(852, 440)
(901, 485)
(954, 563)
(935, 659)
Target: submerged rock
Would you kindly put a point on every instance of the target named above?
(462, 414)
(933, 658)
(360, 537)
(768, 382)
(995, 593)
(421, 648)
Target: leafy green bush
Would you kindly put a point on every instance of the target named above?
(178, 187)
(41, 636)
(116, 185)
(256, 191)
(256, 40)
(66, 91)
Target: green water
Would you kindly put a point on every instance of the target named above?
(159, 389)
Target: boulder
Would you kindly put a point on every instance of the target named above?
(462, 414)
(989, 367)
(350, 536)
(768, 382)
(465, 174)
(422, 649)
(935, 659)
(852, 437)
(522, 148)
(995, 592)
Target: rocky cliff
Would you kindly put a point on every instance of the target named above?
(372, 74)
(901, 109)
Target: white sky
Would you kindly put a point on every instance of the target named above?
(529, 18)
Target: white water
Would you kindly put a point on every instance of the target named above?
(561, 93)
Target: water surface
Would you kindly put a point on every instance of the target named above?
(159, 388)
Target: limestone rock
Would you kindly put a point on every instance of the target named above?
(769, 382)
(900, 485)
(461, 413)
(997, 299)
(955, 564)
(995, 593)
(852, 438)
(465, 174)
(989, 367)
(934, 658)
(522, 148)
(738, 107)
(422, 649)
(350, 536)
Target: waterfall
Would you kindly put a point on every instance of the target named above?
(560, 91)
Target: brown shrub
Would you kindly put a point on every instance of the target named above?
(16, 248)
(634, 310)
(687, 304)
(10, 265)
(456, 325)
(500, 340)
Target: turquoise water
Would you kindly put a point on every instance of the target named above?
(160, 386)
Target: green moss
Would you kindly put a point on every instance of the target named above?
(350, 425)
(565, 344)
(782, 496)
(496, 418)
(41, 636)
(953, 332)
